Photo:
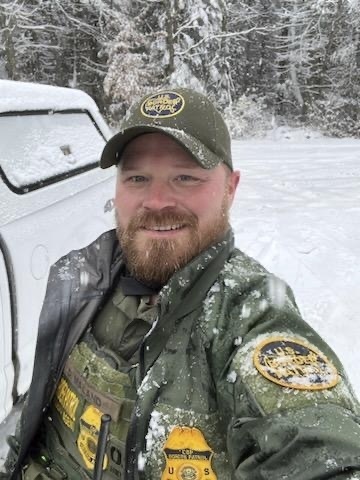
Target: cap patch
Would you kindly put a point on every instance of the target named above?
(165, 104)
(293, 364)
(188, 456)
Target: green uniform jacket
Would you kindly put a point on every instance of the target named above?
(232, 383)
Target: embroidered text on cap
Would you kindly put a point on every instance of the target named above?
(165, 104)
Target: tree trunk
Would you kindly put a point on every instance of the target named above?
(7, 26)
(292, 66)
(170, 14)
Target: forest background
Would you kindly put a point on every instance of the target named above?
(264, 62)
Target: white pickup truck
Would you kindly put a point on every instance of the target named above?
(53, 198)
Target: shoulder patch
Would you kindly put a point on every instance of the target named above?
(165, 104)
(294, 364)
(188, 456)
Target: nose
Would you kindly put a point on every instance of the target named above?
(159, 195)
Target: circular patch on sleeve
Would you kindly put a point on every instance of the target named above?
(165, 104)
(293, 364)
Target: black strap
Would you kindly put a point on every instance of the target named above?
(130, 286)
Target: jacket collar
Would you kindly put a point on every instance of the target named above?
(189, 286)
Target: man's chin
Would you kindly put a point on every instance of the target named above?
(154, 261)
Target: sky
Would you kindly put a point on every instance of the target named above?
(297, 211)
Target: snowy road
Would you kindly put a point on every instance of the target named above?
(297, 211)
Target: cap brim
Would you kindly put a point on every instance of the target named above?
(113, 150)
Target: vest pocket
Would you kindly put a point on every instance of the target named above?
(44, 469)
(89, 388)
(60, 459)
(116, 458)
(34, 471)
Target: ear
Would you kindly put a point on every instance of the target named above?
(233, 179)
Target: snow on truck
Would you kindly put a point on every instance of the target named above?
(53, 199)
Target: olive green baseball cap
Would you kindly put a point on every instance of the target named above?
(187, 116)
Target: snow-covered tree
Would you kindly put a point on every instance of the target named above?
(298, 59)
(167, 43)
(129, 73)
(318, 61)
(56, 42)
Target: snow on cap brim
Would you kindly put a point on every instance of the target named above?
(114, 148)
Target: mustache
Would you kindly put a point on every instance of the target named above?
(149, 219)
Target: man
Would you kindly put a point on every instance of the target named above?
(195, 352)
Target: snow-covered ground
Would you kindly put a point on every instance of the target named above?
(297, 211)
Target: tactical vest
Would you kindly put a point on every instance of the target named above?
(98, 378)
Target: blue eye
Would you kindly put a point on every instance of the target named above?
(187, 178)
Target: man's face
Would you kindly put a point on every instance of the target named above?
(168, 208)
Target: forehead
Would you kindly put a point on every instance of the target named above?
(156, 147)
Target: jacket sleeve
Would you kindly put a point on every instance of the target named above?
(76, 286)
(288, 406)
